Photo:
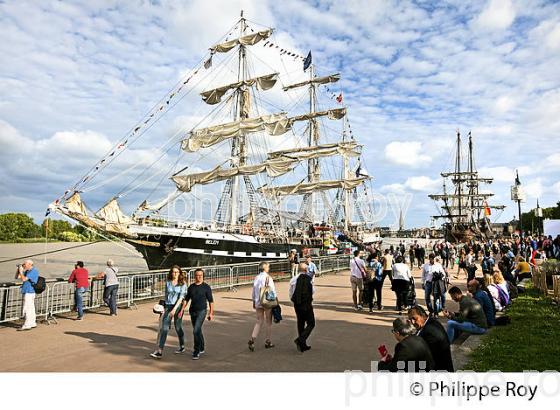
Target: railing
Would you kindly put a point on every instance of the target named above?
(58, 297)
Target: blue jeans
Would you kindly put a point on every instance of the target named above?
(197, 319)
(110, 297)
(453, 326)
(166, 324)
(79, 299)
(439, 300)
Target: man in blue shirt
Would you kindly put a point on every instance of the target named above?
(311, 268)
(27, 273)
(482, 297)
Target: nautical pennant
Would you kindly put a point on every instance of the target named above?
(307, 61)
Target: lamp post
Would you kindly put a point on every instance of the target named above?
(518, 196)
(538, 214)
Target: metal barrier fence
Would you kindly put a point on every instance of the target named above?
(58, 297)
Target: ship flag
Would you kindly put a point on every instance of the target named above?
(307, 61)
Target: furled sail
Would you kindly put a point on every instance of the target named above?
(112, 213)
(264, 82)
(305, 188)
(248, 40)
(147, 206)
(273, 168)
(274, 124)
(74, 204)
(319, 80)
(349, 149)
(333, 114)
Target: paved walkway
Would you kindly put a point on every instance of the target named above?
(342, 340)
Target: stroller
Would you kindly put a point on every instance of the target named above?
(410, 299)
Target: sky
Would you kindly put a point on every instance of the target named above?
(77, 76)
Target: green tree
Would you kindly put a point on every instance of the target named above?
(530, 220)
(56, 227)
(14, 226)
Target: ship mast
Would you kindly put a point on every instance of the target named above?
(313, 171)
(458, 175)
(238, 143)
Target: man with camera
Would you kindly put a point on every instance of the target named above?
(28, 274)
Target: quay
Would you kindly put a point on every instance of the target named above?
(342, 340)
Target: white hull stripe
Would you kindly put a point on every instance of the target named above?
(270, 255)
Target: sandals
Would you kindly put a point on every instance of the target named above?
(268, 344)
(251, 345)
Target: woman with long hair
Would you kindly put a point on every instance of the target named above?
(175, 291)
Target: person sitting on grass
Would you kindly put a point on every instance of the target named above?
(469, 319)
(475, 289)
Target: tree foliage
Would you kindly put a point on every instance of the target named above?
(14, 226)
(530, 220)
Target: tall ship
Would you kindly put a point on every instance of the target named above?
(268, 163)
(463, 204)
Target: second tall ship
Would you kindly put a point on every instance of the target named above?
(463, 205)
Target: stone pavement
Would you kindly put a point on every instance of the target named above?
(343, 339)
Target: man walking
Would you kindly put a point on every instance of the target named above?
(199, 293)
(301, 294)
(28, 274)
(80, 275)
(357, 275)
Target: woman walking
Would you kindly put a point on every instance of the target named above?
(264, 316)
(401, 282)
(175, 291)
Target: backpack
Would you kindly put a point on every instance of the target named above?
(503, 298)
(512, 289)
(39, 286)
(487, 264)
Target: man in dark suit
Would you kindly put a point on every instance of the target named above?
(412, 353)
(434, 335)
(301, 294)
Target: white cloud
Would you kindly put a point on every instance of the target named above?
(408, 153)
(411, 75)
(497, 15)
(423, 183)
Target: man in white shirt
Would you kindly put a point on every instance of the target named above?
(428, 270)
(357, 275)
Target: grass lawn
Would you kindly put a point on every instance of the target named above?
(530, 342)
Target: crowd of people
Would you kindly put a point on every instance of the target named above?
(422, 340)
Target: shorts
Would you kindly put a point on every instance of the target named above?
(357, 283)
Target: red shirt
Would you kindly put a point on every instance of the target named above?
(80, 276)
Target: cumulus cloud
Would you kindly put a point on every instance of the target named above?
(498, 14)
(408, 153)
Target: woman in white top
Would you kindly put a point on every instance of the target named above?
(401, 282)
(493, 291)
(262, 279)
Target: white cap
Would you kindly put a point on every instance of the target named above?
(159, 309)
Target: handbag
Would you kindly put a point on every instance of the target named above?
(267, 298)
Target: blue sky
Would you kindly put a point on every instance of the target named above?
(75, 76)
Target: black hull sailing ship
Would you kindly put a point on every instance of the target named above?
(249, 223)
(464, 208)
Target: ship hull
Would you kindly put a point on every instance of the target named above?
(203, 248)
